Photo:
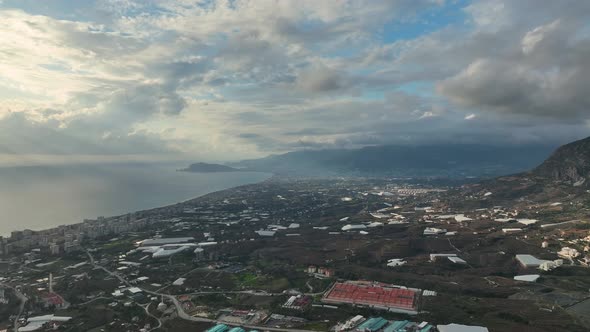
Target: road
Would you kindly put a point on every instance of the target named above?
(452, 245)
(94, 299)
(180, 311)
(147, 312)
(309, 286)
(23, 300)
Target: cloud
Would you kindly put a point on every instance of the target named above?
(426, 115)
(320, 79)
(237, 79)
(542, 71)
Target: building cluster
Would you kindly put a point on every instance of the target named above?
(69, 238)
(568, 253)
(359, 323)
(298, 302)
(410, 228)
(530, 261)
(321, 272)
(47, 322)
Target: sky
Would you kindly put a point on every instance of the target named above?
(219, 80)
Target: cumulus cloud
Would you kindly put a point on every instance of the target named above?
(24, 136)
(236, 79)
(546, 78)
(320, 79)
(542, 69)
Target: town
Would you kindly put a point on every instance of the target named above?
(309, 255)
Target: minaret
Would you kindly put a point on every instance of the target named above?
(50, 282)
(162, 306)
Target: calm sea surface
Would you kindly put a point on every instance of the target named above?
(44, 197)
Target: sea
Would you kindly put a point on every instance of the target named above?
(41, 197)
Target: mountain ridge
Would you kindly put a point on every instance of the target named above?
(208, 168)
(569, 163)
(454, 160)
(561, 176)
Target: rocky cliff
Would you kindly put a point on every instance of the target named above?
(569, 163)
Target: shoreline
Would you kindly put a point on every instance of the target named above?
(271, 176)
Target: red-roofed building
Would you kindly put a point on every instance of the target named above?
(374, 295)
(53, 300)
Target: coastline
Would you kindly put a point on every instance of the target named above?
(272, 177)
(268, 177)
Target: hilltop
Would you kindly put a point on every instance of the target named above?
(570, 163)
(208, 168)
(561, 177)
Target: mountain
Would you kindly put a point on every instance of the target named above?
(458, 160)
(208, 168)
(569, 163)
(564, 176)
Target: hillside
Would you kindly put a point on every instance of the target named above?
(561, 177)
(460, 160)
(569, 163)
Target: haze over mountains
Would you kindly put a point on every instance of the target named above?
(428, 160)
(569, 163)
(563, 176)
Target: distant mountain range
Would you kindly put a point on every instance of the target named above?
(208, 168)
(458, 160)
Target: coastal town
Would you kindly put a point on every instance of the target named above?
(294, 166)
(308, 255)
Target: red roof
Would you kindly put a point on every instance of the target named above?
(372, 294)
(53, 299)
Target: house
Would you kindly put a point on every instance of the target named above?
(395, 262)
(550, 265)
(434, 231)
(53, 300)
(568, 253)
(350, 227)
(528, 261)
(527, 277)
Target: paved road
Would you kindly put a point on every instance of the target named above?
(23, 300)
(94, 299)
(309, 286)
(452, 245)
(147, 312)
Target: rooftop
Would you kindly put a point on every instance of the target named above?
(529, 260)
(460, 328)
(163, 241)
(378, 295)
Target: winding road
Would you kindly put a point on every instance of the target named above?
(147, 312)
(180, 311)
